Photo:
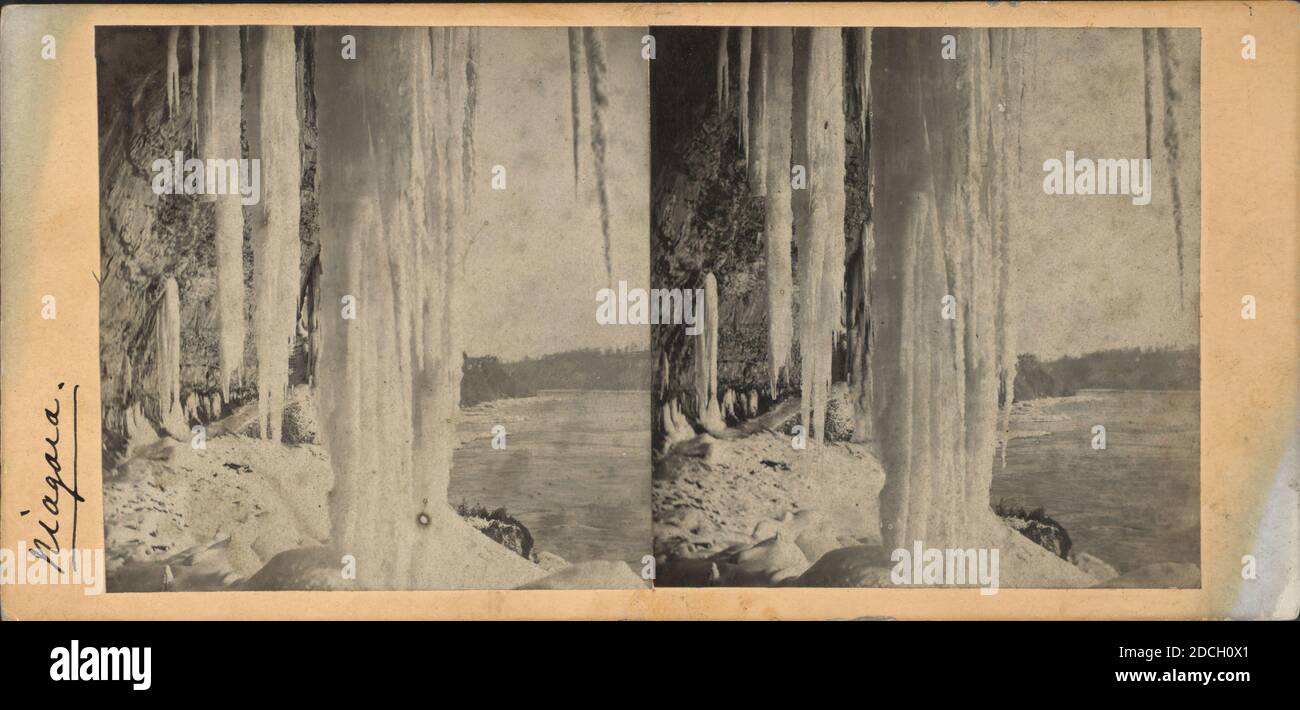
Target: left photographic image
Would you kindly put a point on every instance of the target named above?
(348, 325)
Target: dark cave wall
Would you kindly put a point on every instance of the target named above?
(146, 238)
(705, 219)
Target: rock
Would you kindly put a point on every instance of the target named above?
(1093, 566)
(199, 569)
(685, 572)
(311, 568)
(501, 527)
(299, 423)
(776, 553)
(691, 520)
(549, 561)
(839, 420)
(765, 563)
(792, 525)
(769, 527)
(704, 447)
(1160, 575)
(1037, 526)
(858, 566)
(598, 574)
(816, 543)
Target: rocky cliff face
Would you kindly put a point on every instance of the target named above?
(708, 216)
(146, 238)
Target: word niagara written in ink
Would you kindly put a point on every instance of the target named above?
(55, 500)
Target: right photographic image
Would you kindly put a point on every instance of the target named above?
(947, 286)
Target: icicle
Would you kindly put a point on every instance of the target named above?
(1149, 77)
(862, 376)
(207, 92)
(777, 219)
(828, 199)
(595, 52)
(173, 74)
(194, 86)
(471, 109)
(452, 95)
(746, 40)
(167, 362)
(756, 146)
(1171, 99)
(276, 245)
(575, 58)
(223, 143)
(1013, 84)
(819, 215)
(706, 361)
(864, 81)
(863, 379)
(723, 71)
(1158, 82)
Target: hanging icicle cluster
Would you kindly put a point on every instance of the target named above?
(818, 129)
(220, 122)
(471, 111)
(1160, 89)
(723, 71)
(587, 41)
(173, 72)
(596, 72)
(194, 85)
(575, 63)
(272, 122)
(742, 112)
(756, 143)
(936, 425)
(388, 239)
(777, 217)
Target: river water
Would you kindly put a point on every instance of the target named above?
(575, 470)
(1135, 502)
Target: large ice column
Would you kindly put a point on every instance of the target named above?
(940, 229)
(276, 245)
(818, 128)
(389, 377)
(374, 247)
(777, 218)
(221, 142)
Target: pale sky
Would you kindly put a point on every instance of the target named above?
(1092, 272)
(1097, 272)
(531, 277)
